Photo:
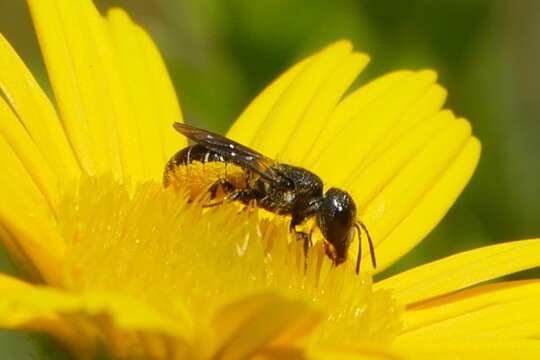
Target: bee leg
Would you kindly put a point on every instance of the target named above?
(243, 195)
(222, 183)
(212, 191)
(302, 236)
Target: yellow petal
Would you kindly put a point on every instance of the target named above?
(489, 322)
(152, 99)
(12, 317)
(354, 141)
(260, 322)
(316, 114)
(166, 105)
(372, 179)
(71, 38)
(275, 131)
(29, 156)
(280, 354)
(113, 91)
(84, 319)
(36, 113)
(511, 320)
(28, 221)
(388, 143)
(381, 138)
(462, 270)
(440, 309)
(245, 127)
(427, 108)
(420, 195)
(360, 352)
(473, 350)
(348, 109)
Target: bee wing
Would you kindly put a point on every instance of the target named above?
(234, 152)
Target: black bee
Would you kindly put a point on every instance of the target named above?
(280, 188)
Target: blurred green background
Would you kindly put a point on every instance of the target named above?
(487, 52)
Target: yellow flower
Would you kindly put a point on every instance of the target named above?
(114, 261)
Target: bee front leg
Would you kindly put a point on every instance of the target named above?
(302, 236)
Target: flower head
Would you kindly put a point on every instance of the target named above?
(113, 260)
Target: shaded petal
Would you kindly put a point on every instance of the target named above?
(37, 117)
(280, 354)
(17, 256)
(260, 323)
(29, 224)
(29, 156)
(462, 270)
(85, 319)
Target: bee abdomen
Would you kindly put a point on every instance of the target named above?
(188, 155)
(194, 153)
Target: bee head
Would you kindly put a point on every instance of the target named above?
(336, 219)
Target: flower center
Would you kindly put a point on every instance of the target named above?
(183, 259)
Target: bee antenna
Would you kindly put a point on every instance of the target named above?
(371, 247)
(359, 256)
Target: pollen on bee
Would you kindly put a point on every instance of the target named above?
(196, 179)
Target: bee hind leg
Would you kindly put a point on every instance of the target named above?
(223, 184)
(245, 196)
